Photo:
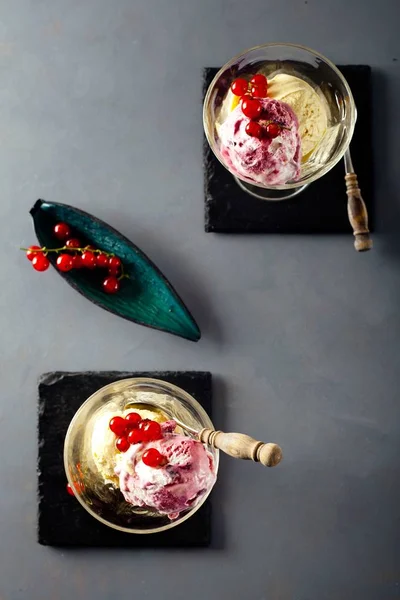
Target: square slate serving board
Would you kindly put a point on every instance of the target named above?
(62, 521)
(321, 208)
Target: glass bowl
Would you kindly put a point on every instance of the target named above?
(308, 65)
(104, 501)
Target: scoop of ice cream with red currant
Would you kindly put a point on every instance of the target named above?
(152, 464)
(259, 139)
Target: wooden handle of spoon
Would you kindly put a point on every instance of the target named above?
(243, 446)
(358, 215)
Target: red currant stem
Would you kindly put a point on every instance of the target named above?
(123, 274)
(44, 250)
(264, 122)
(81, 250)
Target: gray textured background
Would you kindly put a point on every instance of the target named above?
(100, 106)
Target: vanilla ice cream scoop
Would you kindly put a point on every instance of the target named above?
(105, 454)
(311, 108)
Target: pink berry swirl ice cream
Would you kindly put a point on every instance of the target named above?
(169, 474)
(264, 159)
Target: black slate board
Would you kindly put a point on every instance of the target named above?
(321, 208)
(62, 521)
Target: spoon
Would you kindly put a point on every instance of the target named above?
(358, 215)
(238, 445)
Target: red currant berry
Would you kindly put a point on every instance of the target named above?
(273, 130)
(77, 261)
(88, 260)
(259, 91)
(111, 285)
(135, 436)
(153, 458)
(239, 87)
(151, 430)
(259, 80)
(251, 107)
(133, 419)
(102, 260)
(254, 129)
(40, 262)
(117, 425)
(70, 490)
(114, 263)
(65, 262)
(122, 444)
(30, 254)
(73, 243)
(62, 231)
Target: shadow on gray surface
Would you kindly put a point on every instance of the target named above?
(176, 267)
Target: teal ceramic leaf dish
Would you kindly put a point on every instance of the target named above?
(146, 298)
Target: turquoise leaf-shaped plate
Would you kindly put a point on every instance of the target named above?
(146, 298)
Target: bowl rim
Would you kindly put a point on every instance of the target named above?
(155, 383)
(353, 112)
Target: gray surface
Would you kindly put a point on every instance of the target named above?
(101, 107)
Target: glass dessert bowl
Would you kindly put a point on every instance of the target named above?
(154, 481)
(278, 117)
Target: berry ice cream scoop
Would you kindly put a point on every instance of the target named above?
(266, 151)
(169, 474)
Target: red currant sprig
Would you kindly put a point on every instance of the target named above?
(30, 253)
(264, 129)
(273, 130)
(132, 419)
(150, 430)
(65, 262)
(239, 87)
(87, 257)
(259, 86)
(122, 444)
(153, 458)
(111, 285)
(118, 425)
(251, 107)
(134, 430)
(62, 231)
(256, 87)
(78, 485)
(73, 243)
(254, 129)
(40, 262)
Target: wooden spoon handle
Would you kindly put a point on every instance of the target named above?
(358, 215)
(243, 446)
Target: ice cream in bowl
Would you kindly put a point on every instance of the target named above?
(278, 117)
(130, 465)
(141, 455)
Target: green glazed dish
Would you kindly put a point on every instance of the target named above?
(146, 298)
